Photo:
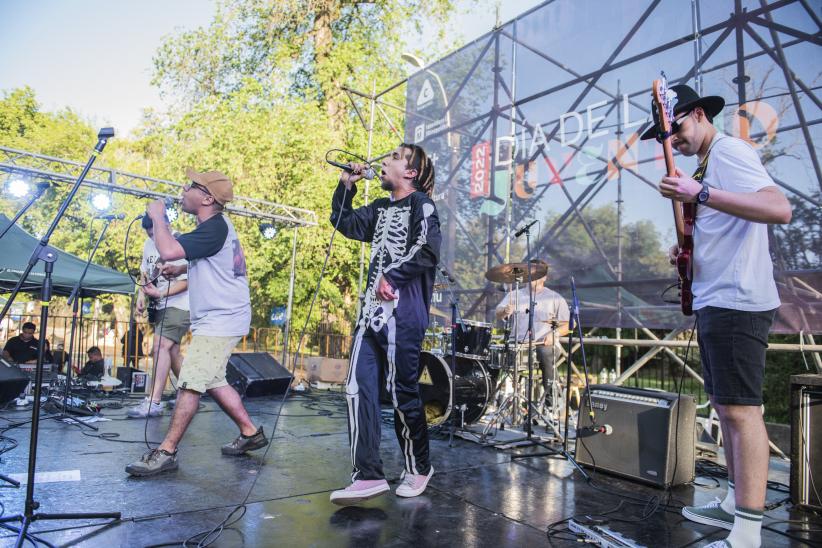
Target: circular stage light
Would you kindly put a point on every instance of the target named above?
(101, 202)
(18, 187)
(268, 230)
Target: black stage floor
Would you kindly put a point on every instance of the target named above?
(478, 497)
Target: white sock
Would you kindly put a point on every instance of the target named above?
(729, 503)
(746, 532)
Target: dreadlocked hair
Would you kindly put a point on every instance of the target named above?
(419, 161)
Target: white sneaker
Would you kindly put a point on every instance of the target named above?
(359, 491)
(413, 484)
(143, 410)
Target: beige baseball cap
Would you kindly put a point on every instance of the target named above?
(217, 183)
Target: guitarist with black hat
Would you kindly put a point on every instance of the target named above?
(734, 296)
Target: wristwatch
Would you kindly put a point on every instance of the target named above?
(704, 194)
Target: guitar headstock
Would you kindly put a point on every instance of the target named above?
(663, 104)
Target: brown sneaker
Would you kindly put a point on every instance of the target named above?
(153, 462)
(243, 444)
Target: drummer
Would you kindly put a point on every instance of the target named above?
(550, 320)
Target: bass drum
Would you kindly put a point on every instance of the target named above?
(472, 387)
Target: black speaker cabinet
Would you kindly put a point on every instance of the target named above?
(806, 441)
(650, 434)
(257, 374)
(12, 382)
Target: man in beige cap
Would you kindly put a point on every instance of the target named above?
(220, 315)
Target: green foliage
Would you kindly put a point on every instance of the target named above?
(258, 94)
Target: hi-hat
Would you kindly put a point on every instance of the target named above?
(516, 272)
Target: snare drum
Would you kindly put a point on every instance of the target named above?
(472, 388)
(504, 360)
(472, 339)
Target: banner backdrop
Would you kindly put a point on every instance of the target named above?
(540, 119)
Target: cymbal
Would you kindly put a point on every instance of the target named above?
(439, 313)
(515, 272)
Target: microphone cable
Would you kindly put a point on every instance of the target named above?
(208, 537)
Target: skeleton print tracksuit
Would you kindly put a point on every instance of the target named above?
(405, 242)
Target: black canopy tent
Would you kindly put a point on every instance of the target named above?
(16, 248)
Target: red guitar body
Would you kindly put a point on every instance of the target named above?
(685, 260)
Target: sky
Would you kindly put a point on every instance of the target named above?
(95, 56)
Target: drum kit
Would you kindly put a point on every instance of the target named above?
(470, 372)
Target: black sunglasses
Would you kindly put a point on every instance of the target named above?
(676, 125)
(198, 186)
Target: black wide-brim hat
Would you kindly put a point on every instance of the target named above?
(685, 100)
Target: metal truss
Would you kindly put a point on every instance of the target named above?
(505, 108)
(111, 180)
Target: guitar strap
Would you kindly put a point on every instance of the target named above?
(699, 174)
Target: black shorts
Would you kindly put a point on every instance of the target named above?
(732, 344)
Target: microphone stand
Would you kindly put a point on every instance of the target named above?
(454, 304)
(74, 300)
(551, 451)
(48, 255)
(37, 193)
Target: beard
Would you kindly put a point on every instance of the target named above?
(386, 185)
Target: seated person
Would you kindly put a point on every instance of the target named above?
(95, 367)
(48, 357)
(23, 347)
(61, 357)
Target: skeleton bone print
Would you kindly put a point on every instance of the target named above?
(388, 248)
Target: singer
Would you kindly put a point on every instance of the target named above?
(220, 314)
(404, 232)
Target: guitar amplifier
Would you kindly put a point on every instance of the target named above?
(649, 435)
(255, 374)
(806, 441)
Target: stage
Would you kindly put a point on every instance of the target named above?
(478, 497)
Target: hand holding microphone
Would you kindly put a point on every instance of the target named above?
(353, 172)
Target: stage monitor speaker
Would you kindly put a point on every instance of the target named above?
(806, 441)
(650, 435)
(12, 382)
(256, 374)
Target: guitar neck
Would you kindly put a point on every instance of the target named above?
(679, 220)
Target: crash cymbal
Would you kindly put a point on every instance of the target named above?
(513, 272)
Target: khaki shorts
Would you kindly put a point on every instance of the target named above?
(205, 362)
(172, 323)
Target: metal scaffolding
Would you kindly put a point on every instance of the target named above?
(504, 114)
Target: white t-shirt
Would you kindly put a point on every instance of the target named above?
(150, 259)
(218, 280)
(549, 306)
(732, 264)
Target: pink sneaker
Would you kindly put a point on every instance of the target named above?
(359, 491)
(413, 484)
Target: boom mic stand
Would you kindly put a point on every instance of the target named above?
(48, 255)
(574, 321)
(73, 300)
(40, 189)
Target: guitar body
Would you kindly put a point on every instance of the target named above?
(684, 213)
(685, 260)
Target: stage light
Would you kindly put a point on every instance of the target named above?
(100, 201)
(268, 230)
(18, 187)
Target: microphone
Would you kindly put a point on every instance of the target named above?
(168, 201)
(524, 229)
(448, 276)
(369, 173)
(118, 217)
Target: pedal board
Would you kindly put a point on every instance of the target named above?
(602, 536)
